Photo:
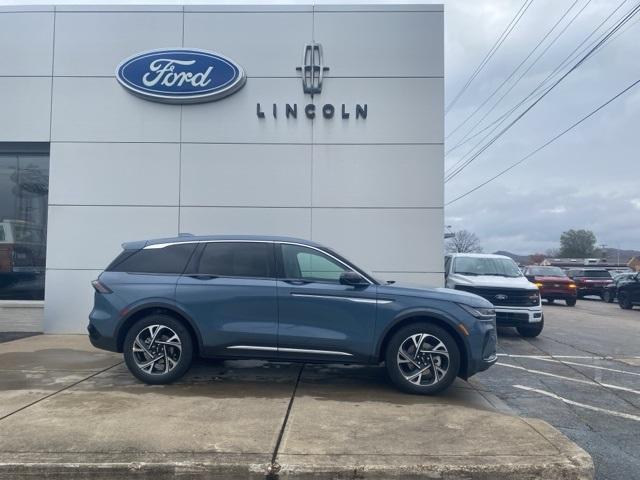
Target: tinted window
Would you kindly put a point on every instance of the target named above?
(546, 271)
(597, 274)
(308, 264)
(171, 259)
(238, 259)
(503, 267)
(24, 190)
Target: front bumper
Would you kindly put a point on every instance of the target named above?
(483, 351)
(518, 316)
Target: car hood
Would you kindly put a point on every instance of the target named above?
(491, 281)
(443, 294)
(541, 278)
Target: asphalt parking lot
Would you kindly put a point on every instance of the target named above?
(582, 375)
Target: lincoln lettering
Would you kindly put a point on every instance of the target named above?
(163, 73)
(311, 110)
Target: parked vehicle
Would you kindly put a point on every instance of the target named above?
(499, 280)
(590, 281)
(162, 302)
(628, 292)
(610, 291)
(553, 283)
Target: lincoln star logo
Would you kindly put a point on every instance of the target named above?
(501, 296)
(312, 68)
(180, 75)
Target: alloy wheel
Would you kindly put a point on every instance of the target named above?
(157, 349)
(423, 359)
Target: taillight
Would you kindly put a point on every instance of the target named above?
(6, 258)
(100, 287)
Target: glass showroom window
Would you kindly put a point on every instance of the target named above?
(24, 189)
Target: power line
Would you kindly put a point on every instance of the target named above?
(621, 23)
(499, 41)
(479, 107)
(498, 121)
(550, 141)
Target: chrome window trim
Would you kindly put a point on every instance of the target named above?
(342, 297)
(351, 268)
(287, 350)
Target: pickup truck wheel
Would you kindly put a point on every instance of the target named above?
(550, 301)
(422, 358)
(571, 302)
(624, 301)
(158, 349)
(531, 331)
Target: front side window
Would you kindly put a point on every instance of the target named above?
(24, 193)
(168, 260)
(308, 264)
(502, 267)
(238, 259)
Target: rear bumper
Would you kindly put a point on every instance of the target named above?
(591, 290)
(101, 341)
(558, 295)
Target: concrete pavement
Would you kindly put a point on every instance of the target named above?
(70, 411)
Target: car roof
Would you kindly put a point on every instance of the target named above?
(479, 255)
(188, 238)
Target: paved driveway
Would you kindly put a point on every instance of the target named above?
(582, 375)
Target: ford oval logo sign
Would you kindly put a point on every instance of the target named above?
(180, 75)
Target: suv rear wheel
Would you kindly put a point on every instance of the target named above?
(624, 301)
(571, 302)
(158, 349)
(422, 358)
(531, 331)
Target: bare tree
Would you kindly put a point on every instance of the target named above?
(464, 241)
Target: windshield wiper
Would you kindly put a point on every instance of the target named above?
(467, 273)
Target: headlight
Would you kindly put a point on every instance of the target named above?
(534, 298)
(481, 313)
(539, 284)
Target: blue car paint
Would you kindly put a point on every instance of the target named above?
(226, 311)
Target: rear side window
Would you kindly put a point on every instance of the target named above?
(171, 260)
(238, 259)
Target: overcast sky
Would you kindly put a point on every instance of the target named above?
(587, 179)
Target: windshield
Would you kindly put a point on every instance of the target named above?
(597, 273)
(547, 271)
(503, 267)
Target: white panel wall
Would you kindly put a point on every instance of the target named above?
(258, 175)
(123, 168)
(114, 174)
(26, 43)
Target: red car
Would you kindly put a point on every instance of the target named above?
(590, 281)
(553, 283)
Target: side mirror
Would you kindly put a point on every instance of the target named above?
(352, 278)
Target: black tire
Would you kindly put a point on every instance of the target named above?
(624, 301)
(403, 338)
(608, 297)
(531, 331)
(571, 302)
(180, 352)
(550, 300)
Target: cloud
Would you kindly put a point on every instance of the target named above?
(587, 179)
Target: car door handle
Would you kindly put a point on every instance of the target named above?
(202, 277)
(296, 282)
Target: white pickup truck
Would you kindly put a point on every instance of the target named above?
(498, 279)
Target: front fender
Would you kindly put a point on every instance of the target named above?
(403, 317)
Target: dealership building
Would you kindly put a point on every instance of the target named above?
(120, 123)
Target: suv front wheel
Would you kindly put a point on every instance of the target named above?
(158, 349)
(422, 358)
(624, 301)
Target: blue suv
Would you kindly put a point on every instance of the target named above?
(162, 302)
